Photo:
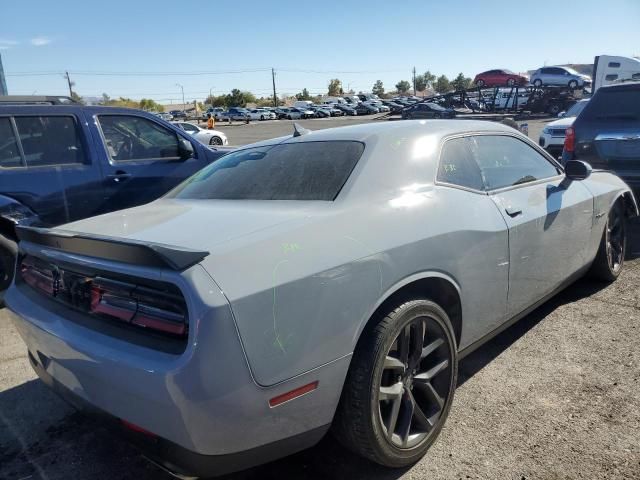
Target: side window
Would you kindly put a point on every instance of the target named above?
(187, 127)
(505, 161)
(611, 77)
(545, 70)
(457, 166)
(130, 138)
(50, 140)
(9, 153)
(614, 64)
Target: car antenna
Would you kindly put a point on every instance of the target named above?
(298, 131)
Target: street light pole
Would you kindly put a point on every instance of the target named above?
(181, 88)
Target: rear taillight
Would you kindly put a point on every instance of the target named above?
(161, 310)
(570, 140)
(144, 307)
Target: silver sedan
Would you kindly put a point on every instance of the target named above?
(327, 278)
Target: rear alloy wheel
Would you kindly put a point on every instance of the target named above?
(511, 82)
(537, 83)
(215, 141)
(480, 83)
(400, 385)
(610, 257)
(573, 84)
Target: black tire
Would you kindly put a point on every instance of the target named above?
(554, 109)
(261, 117)
(381, 384)
(537, 83)
(511, 82)
(215, 141)
(289, 117)
(613, 246)
(8, 251)
(437, 115)
(480, 83)
(573, 84)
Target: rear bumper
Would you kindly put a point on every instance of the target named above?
(203, 401)
(172, 457)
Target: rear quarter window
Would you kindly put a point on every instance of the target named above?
(293, 171)
(612, 105)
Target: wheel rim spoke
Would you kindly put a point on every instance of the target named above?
(417, 330)
(419, 415)
(428, 388)
(392, 363)
(404, 344)
(393, 417)
(432, 347)
(431, 373)
(391, 393)
(407, 417)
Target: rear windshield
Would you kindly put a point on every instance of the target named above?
(294, 171)
(613, 105)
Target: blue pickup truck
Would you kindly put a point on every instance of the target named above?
(60, 163)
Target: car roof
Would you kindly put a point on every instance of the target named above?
(392, 131)
(621, 86)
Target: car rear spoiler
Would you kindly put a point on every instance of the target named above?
(134, 252)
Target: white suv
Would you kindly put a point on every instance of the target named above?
(552, 136)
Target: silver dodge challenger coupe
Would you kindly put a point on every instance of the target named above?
(326, 279)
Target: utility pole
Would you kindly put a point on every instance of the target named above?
(273, 80)
(66, 74)
(414, 81)
(3, 82)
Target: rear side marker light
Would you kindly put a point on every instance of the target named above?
(298, 392)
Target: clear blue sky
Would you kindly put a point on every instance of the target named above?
(357, 41)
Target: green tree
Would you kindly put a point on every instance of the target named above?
(442, 84)
(238, 98)
(148, 104)
(461, 82)
(425, 80)
(76, 97)
(403, 86)
(335, 87)
(378, 88)
(304, 95)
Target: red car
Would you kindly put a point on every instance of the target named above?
(499, 78)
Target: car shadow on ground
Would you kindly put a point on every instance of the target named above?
(33, 444)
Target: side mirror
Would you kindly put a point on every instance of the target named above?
(562, 114)
(577, 170)
(185, 149)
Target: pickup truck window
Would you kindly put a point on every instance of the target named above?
(9, 154)
(132, 138)
(50, 140)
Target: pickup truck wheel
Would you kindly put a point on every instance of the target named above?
(511, 82)
(537, 83)
(215, 141)
(480, 83)
(400, 384)
(8, 251)
(610, 257)
(573, 84)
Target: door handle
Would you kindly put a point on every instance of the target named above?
(119, 176)
(513, 211)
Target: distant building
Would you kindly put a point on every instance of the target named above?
(3, 82)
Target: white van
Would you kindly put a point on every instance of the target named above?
(333, 100)
(609, 69)
(303, 104)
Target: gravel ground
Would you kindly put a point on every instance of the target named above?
(553, 397)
